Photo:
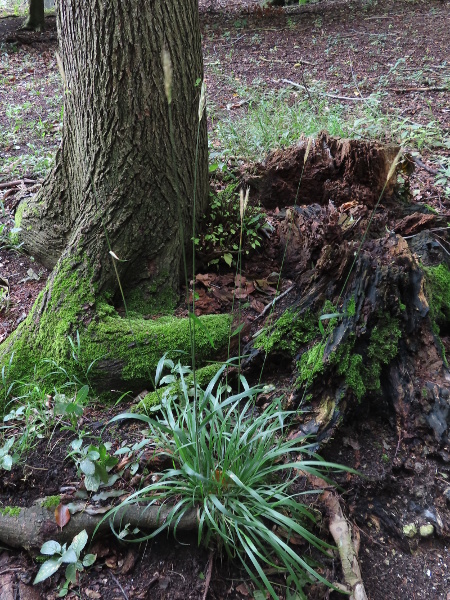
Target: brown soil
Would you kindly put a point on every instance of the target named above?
(353, 47)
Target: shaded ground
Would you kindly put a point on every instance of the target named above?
(397, 50)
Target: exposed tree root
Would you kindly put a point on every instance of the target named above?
(30, 527)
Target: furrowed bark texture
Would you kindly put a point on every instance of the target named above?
(116, 168)
(123, 179)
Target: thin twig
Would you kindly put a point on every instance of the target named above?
(334, 96)
(15, 183)
(266, 308)
(431, 88)
(423, 166)
(121, 588)
(208, 574)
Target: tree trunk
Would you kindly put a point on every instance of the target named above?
(125, 176)
(36, 17)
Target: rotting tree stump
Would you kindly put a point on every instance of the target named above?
(386, 349)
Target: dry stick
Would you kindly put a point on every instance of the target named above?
(346, 541)
(334, 96)
(423, 166)
(431, 88)
(118, 584)
(275, 300)
(208, 574)
(15, 183)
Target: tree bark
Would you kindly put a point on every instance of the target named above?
(30, 527)
(36, 16)
(125, 176)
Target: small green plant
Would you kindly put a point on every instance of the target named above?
(62, 555)
(95, 463)
(229, 464)
(443, 176)
(9, 239)
(221, 229)
(6, 459)
(72, 408)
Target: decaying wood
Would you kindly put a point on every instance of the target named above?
(337, 171)
(332, 254)
(35, 525)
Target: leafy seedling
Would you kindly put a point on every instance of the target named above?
(94, 462)
(62, 555)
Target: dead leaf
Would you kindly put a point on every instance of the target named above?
(242, 589)
(206, 279)
(257, 305)
(62, 515)
(351, 443)
(111, 562)
(91, 593)
(128, 562)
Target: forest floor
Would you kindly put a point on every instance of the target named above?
(375, 70)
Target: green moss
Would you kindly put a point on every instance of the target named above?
(289, 333)
(152, 299)
(351, 307)
(437, 290)
(310, 364)
(136, 345)
(51, 502)
(19, 214)
(350, 365)
(10, 511)
(359, 375)
(203, 377)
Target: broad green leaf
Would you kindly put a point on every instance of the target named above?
(69, 556)
(87, 467)
(50, 548)
(79, 542)
(228, 258)
(89, 560)
(92, 483)
(47, 569)
(71, 573)
(82, 394)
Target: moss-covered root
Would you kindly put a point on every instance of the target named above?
(125, 351)
(131, 348)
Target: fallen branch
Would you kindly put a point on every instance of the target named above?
(10, 184)
(334, 96)
(423, 166)
(431, 88)
(33, 526)
(266, 308)
(346, 540)
(348, 546)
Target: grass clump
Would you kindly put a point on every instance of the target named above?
(229, 465)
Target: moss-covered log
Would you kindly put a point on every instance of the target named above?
(125, 350)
